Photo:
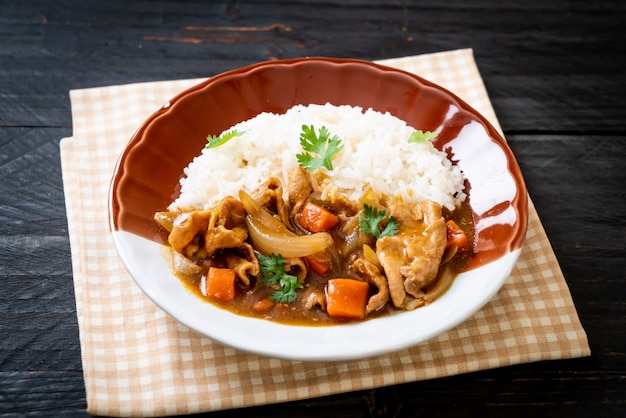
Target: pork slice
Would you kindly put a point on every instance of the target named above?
(411, 258)
(299, 188)
(270, 195)
(374, 276)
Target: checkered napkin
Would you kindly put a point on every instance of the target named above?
(138, 361)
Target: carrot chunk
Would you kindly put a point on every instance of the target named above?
(263, 305)
(220, 284)
(316, 218)
(346, 298)
(318, 263)
(456, 237)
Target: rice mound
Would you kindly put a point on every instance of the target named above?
(376, 156)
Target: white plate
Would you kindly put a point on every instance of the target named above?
(146, 176)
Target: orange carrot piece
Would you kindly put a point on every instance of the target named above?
(220, 284)
(263, 305)
(346, 298)
(456, 237)
(316, 218)
(318, 263)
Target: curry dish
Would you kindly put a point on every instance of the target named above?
(284, 254)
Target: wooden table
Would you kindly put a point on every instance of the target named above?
(553, 70)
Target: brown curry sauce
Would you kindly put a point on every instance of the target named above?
(295, 313)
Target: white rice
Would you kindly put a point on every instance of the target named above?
(376, 155)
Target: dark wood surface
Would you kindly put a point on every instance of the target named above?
(553, 69)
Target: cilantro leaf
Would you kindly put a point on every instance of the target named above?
(370, 223)
(274, 275)
(390, 229)
(323, 145)
(287, 292)
(216, 141)
(421, 136)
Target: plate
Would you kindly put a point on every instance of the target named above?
(146, 179)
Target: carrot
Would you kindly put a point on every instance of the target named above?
(318, 263)
(456, 237)
(220, 284)
(263, 305)
(316, 218)
(346, 298)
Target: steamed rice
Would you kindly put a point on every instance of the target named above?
(376, 156)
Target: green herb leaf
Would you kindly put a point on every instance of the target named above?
(274, 274)
(323, 145)
(421, 136)
(370, 223)
(216, 141)
(287, 292)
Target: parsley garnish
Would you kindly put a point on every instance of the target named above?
(421, 136)
(323, 145)
(274, 274)
(370, 220)
(216, 141)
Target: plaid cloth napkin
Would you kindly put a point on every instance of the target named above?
(138, 361)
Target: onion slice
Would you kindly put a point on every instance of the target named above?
(445, 281)
(262, 216)
(271, 240)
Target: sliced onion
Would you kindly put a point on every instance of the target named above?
(270, 240)
(184, 266)
(260, 214)
(445, 279)
(166, 219)
(449, 254)
(370, 255)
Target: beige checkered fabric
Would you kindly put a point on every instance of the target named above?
(138, 361)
